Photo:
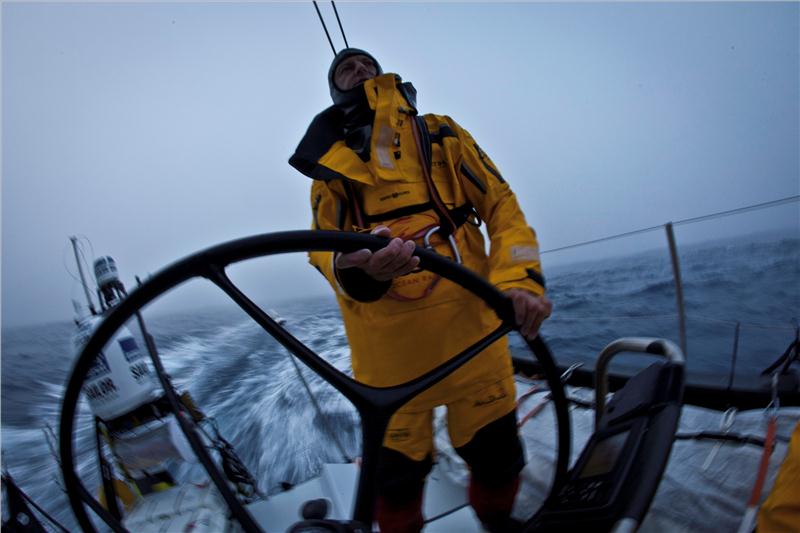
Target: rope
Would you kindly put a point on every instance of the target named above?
(324, 27)
(692, 220)
(533, 390)
(748, 522)
(729, 437)
(535, 411)
(340, 24)
(321, 414)
(549, 396)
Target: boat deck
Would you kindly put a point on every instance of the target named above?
(337, 483)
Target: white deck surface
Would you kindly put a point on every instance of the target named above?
(337, 482)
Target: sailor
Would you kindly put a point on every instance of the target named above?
(378, 166)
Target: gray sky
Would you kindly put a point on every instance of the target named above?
(160, 129)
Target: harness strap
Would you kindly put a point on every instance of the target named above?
(450, 219)
(355, 205)
(444, 131)
(420, 130)
(459, 215)
(463, 213)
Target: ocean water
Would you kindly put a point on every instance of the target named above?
(246, 381)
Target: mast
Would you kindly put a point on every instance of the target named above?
(74, 241)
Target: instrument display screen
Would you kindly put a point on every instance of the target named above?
(604, 455)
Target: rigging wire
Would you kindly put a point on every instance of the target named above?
(340, 24)
(602, 239)
(692, 220)
(52, 443)
(82, 254)
(53, 522)
(749, 325)
(754, 207)
(65, 263)
(324, 27)
(318, 409)
(80, 258)
(80, 243)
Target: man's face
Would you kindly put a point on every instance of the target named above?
(353, 71)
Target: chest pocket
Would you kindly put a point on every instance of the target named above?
(392, 200)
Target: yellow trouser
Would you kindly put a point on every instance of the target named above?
(411, 432)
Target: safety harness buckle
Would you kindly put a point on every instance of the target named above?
(427, 243)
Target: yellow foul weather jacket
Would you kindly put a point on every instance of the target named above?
(421, 320)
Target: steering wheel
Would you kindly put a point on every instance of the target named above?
(375, 405)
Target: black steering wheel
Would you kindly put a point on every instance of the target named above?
(375, 405)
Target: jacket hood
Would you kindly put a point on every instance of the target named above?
(347, 98)
(353, 125)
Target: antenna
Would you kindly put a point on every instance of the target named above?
(324, 27)
(110, 290)
(340, 24)
(80, 272)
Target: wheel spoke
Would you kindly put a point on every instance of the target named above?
(375, 405)
(327, 371)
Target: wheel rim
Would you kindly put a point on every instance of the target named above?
(376, 404)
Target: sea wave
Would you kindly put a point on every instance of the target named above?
(247, 382)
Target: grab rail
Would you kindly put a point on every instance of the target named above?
(646, 345)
